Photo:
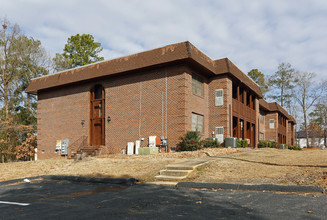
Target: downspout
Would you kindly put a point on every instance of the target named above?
(162, 115)
(166, 105)
(140, 115)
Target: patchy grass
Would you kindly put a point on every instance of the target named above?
(92, 167)
(143, 168)
(262, 166)
(265, 166)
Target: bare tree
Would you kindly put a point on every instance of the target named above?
(21, 58)
(8, 61)
(307, 94)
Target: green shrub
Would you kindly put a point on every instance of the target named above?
(242, 143)
(245, 143)
(274, 144)
(239, 143)
(290, 147)
(263, 144)
(210, 143)
(189, 142)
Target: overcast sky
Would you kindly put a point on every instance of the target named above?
(251, 33)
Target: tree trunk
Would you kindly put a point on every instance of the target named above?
(305, 124)
(6, 102)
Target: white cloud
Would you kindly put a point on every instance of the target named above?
(253, 34)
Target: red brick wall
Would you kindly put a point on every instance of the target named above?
(262, 125)
(60, 111)
(138, 109)
(219, 115)
(290, 133)
(131, 121)
(257, 111)
(196, 104)
(271, 134)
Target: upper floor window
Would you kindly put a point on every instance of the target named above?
(271, 123)
(197, 85)
(97, 90)
(219, 97)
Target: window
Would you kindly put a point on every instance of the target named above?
(261, 136)
(98, 92)
(219, 97)
(197, 85)
(271, 123)
(219, 131)
(197, 123)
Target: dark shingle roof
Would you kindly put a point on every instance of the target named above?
(181, 52)
(275, 107)
(312, 134)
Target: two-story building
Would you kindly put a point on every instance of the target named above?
(162, 92)
(275, 123)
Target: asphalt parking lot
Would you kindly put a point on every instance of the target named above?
(63, 199)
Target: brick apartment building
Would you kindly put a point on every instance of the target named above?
(161, 92)
(275, 124)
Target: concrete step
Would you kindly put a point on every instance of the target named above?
(163, 183)
(175, 172)
(169, 178)
(180, 167)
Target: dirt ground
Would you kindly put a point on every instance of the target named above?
(140, 167)
(267, 166)
(262, 166)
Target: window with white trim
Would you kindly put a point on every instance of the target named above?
(197, 122)
(219, 97)
(219, 133)
(271, 123)
(197, 85)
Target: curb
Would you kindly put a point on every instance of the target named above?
(121, 181)
(248, 187)
(130, 181)
(19, 180)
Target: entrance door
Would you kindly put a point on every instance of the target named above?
(97, 116)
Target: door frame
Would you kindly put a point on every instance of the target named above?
(92, 119)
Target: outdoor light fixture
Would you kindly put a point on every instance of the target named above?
(82, 122)
(108, 119)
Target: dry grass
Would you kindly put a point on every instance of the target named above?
(268, 166)
(143, 168)
(252, 166)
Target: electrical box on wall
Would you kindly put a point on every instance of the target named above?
(64, 146)
(130, 148)
(152, 141)
(137, 146)
(58, 145)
